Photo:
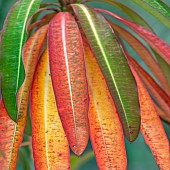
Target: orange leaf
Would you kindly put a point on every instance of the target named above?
(50, 146)
(151, 127)
(7, 126)
(105, 128)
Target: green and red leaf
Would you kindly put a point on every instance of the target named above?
(144, 54)
(114, 67)
(155, 90)
(162, 48)
(69, 78)
(12, 40)
(49, 142)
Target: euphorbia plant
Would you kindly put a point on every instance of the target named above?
(71, 68)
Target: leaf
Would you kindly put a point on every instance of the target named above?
(45, 20)
(69, 79)
(151, 127)
(13, 38)
(144, 54)
(155, 42)
(30, 58)
(28, 129)
(164, 66)
(105, 127)
(157, 8)
(35, 15)
(130, 13)
(162, 114)
(156, 91)
(50, 146)
(7, 127)
(114, 67)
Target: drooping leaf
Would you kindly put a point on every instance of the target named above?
(30, 58)
(132, 15)
(151, 127)
(105, 127)
(7, 127)
(164, 66)
(69, 78)
(162, 114)
(155, 42)
(114, 67)
(28, 129)
(13, 37)
(159, 95)
(49, 142)
(144, 54)
(157, 8)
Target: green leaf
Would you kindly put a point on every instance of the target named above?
(157, 8)
(129, 12)
(13, 38)
(164, 66)
(114, 66)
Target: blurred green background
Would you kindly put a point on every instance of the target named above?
(139, 156)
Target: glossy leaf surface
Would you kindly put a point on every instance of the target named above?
(50, 146)
(13, 37)
(114, 67)
(69, 78)
(157, 8)
(152, 129)
(105, 128)
(144, 54)
(155, 42)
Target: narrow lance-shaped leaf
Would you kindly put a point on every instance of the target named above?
(13, 37)
(30, 58)
(155, 42)
(69, 78)
(49, 142)
(114, 67)
(7, 128)
(157, 8)
(162, 114)
(152, 129)
(159, 95)
(105, 128)
(144, 54)
(164, 66)
(132, 15)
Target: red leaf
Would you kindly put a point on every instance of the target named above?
(69, 78)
